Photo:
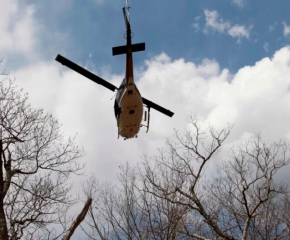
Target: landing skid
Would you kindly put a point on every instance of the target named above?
(146, 119)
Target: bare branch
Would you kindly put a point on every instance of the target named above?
(78, 220)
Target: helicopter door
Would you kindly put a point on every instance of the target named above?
(117, 99)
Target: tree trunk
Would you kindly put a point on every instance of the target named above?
(3, 224)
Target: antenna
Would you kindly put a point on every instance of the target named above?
(127, 10)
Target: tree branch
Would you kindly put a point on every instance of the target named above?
(78, 220)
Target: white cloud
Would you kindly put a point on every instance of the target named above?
(240, 31)
(240, 3)
(213, 21)
(266, 46)
(216, 23)
(286, 29)
(17, 28)
(195, 25)
(256, 98)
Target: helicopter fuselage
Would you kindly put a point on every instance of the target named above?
(128, 110)
(128, 102)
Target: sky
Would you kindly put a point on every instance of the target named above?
(226, 61)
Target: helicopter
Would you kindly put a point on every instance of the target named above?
(128, 106)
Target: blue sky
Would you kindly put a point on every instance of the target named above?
(80, 28)
(227, 61)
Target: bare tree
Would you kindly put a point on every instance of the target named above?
(178, 176)
(127, 211)
(36, 161)
(243, 202)
(174, 195)
(251, 202)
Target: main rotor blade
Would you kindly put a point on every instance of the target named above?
(84, 72)
(127, 23)
(157, 107)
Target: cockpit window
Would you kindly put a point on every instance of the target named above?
(122, 85)
(120, 90)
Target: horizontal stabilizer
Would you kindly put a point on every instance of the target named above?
(124, 49)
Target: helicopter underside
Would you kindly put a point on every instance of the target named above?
(131, 112)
